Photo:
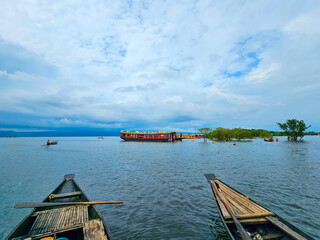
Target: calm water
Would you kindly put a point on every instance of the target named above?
(166, 195)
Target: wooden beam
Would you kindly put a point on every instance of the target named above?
(241, 197)
(275, 221)
(249, 221)
(53, 204)
(65, 195)
(255, 215)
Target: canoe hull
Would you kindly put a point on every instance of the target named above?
(67, 185)
(269, 140)
(264, 221)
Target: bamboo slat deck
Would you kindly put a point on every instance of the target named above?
(241, 206)
(55, 220)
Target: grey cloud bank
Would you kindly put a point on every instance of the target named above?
(159, 64)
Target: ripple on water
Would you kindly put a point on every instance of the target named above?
(166, 195)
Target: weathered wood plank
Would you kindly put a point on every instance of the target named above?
(246, 201)
(255, 215)
(65, 195)
(94, 230)
(239, 208)
(275, 221)
(223, 208)
(250, 221)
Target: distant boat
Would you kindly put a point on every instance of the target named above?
(150, 136)
(268, 139)
(100, 138)
(245, 219)
(191, 136)
(52, 143)
(63, 222)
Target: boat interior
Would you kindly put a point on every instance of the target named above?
(71, 222)
(260, 223)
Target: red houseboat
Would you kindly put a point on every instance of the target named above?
(150, 136)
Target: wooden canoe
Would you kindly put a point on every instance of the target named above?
(71, 222)
(52, 143)
(268, 139)
(256, 220)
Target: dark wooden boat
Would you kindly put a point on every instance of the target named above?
(52, 143)
(257, 221)
(70, 222)
(268, 139)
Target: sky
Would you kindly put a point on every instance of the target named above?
(158, 65)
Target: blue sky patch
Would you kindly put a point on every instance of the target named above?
(14, 58)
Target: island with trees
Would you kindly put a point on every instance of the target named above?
(292, 128)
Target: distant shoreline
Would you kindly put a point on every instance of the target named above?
(96, 136)
(57, 136)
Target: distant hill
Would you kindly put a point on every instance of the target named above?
(85, 133)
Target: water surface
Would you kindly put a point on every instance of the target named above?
(166, 195)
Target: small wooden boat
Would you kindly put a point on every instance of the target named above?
(245, 219)
(52, 143)
(268, 139)
(65, 222)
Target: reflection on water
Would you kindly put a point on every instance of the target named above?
(166, 195)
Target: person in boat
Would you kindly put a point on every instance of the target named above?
(48, 142)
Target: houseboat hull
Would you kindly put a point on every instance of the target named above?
(144, 140)
(150, 136)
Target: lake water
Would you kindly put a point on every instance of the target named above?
(166, 195)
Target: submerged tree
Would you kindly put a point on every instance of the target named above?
(225, 134)
(240, 133)
(204, 132)
(221, 134)
(294, 128)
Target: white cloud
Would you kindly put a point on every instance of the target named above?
(262, 73)
(3, 73)
(163, 61)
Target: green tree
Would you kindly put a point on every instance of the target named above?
(221, 134)
(240, 133)
(264, 134)
(204, 132)
(294, 128)
(311, 133)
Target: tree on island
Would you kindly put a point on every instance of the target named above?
(294, 128)
(225, 134)
(240, 133)
(204, 132)
(221, 134)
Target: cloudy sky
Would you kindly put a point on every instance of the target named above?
(166, 65)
